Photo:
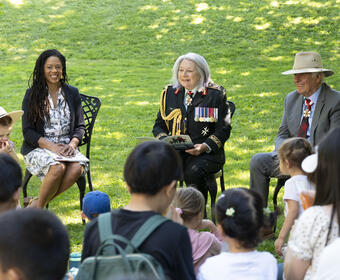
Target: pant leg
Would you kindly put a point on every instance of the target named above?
(197, 171)
(263, 166)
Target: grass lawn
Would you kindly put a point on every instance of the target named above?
(123, 52)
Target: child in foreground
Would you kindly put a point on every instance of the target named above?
(240, 217)
(190, 204)
(95, 203)
(7, 120)
(291, 154)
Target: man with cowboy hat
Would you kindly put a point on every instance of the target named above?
(7, 120)
(310, 111)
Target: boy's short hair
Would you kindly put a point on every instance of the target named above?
(96, 202)
(10, 177)
(35, 242)
(151, 166)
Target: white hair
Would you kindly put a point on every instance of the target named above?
(201, 65)
(315, 74)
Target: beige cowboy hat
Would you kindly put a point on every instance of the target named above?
(308, 62)
(15, 115)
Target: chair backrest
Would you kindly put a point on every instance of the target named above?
(232, 108)
(91, 105)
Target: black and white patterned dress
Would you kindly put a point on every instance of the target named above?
(57, 130)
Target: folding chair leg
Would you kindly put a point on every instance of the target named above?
(81, 182)
(27, 177)
(89, 179)
(212, 188)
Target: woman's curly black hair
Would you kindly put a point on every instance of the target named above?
(38, 100)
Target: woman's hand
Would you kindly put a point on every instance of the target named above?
(67, 150)
(197, 149)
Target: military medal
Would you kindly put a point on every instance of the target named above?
(188, 100)
(205, 131)
(306, 113)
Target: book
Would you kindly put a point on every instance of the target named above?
(179, 142)
(77, 157)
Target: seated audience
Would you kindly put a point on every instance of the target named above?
(240, 216)
(34, 245)
(318, 226)
(7, 120)
(291, 154)
(95, 203)
(52, 125)
(10, 183)
(151, 173)
(190, 204)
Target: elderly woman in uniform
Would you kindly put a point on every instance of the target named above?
(195, 106)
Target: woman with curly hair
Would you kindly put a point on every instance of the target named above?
(52, 122)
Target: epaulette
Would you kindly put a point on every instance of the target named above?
(216, 86)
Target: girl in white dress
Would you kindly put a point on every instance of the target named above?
(240, 216)
(291, 154)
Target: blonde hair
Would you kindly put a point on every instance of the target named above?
(190, 201)
(295, 150)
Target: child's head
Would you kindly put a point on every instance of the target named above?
(190, 201)
(240, 215)
(95, 203)
(10, 182)
(34, 245)
(292, 152)
(7, 120)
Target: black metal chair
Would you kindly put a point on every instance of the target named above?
(212, 184)
(91, 106)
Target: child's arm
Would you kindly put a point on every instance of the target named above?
(293, 212)
(207, 224)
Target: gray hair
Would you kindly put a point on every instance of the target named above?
(201, 66)
(315, 74)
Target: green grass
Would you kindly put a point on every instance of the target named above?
(123, 52)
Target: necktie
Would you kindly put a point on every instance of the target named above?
(305, 120)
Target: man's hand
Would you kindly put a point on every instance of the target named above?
(197, 149)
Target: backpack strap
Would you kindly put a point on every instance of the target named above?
(144, 231)
(105, 226)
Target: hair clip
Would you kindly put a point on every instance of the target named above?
(221, 196)
(230, 212)
(266, 211)
(179, 211)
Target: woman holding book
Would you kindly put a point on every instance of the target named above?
(193, 105)
(52, 122)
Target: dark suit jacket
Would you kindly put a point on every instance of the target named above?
(200, 131)
(33, 131)
(326, 116)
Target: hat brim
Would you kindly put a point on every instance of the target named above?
(327, 72)
(15, 116)
(310, 163)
